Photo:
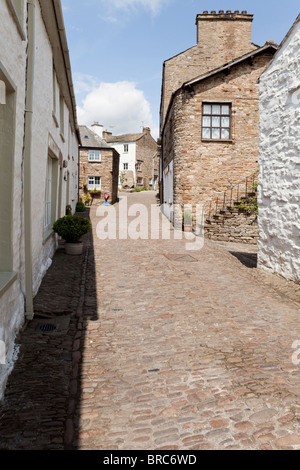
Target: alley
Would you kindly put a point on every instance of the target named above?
(169, 349)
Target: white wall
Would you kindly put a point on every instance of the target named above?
(279, 181)
(129, 157)
(13, 63)
(12, 60)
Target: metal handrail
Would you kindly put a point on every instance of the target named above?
(236, 193)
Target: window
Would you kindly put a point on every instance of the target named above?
(51, 194)
(125, 166)
(62, 114)
(139, 167)
(17, 10)
(216, 121)
(140, 181)
(94, 156)
(7, 156)
(94, 183)
(126, 148)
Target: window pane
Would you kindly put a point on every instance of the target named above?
(205, 133)
(225, 134)
(206, 121)
(216, 109)
(216, 122)
(206, 109)
(225, 122)
(216, 133)
(226, 109)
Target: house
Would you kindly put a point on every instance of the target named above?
(38, 155)
(209, 118)
(99, 168)
(279, 161)
(138, 158)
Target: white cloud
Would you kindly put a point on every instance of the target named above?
(154, 6)
(120, 107)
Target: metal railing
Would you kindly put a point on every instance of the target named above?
(231, 197)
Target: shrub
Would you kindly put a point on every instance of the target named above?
(187, 217)
(71, 228)
(80, 207)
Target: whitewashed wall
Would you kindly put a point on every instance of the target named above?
(13, 61)
(126, 157)
(279, 181)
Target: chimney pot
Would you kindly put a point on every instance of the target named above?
(205, 12)
(228, 11)
(213, 12)
(244, 12)
(221, 11)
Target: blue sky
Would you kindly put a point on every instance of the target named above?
(117, 49)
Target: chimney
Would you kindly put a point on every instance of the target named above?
(98, 129)
(224, 35)
(146, 130)
(106, 135)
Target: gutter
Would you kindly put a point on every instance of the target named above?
(29, 312)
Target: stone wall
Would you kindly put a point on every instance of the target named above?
(204, 168)
(279, 195)
(146, 148)
(221, 38)
(107, 169)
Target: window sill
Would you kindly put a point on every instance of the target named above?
(47, 234)
(55, 119)
(6, 280)
(94, 161)
(224, 141)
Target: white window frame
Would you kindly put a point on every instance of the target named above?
(48, 195)
(139, 180)
(94, 156)
(125, 166)
(92, 185)
(16, 8)
(126, 148)
(139, 166)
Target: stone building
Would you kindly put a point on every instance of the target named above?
(210, 113)
(99, 168)
(38, 156)
(139, 160)
(279, 161)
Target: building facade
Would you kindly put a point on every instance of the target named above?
(210, 121)
(38, 155)
(279, 161)
(138, 159)
(99, 168)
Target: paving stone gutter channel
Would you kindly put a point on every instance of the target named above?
(38, 410)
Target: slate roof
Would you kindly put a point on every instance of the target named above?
(125, 137)
(90, 139)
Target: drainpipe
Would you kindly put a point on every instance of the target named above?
(29, 313)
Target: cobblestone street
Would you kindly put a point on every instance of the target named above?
(156, 347)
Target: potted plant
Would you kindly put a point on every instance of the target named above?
(71, 228)
(187, 220)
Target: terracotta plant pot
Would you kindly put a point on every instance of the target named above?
(74, 248)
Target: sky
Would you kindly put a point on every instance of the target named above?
(117, 49)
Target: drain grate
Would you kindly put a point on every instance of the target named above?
(46, 327)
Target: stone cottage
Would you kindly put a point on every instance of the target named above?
(138, 158)
(279, 161)
(210, 113)
(99, 168)
(38, 155)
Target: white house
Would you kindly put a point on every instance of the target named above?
(38, 156)
(138, 157)
(279, 161)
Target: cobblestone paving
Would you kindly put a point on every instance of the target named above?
(166, 349)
